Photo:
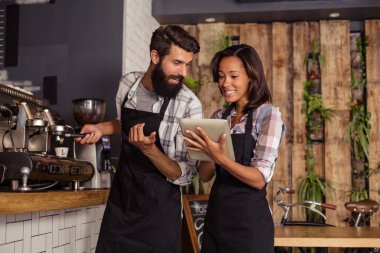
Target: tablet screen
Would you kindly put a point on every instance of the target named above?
(214, 128)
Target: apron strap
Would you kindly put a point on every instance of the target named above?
(163, 107)
(124, 100)
(227, 111)
(247, 135)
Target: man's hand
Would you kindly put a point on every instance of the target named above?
(139, 140)
(93, 134)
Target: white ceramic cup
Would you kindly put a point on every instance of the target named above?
(61, 151)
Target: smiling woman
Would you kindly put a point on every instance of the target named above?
(238, 194)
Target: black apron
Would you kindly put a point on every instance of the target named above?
(238, 218)
(143, 212)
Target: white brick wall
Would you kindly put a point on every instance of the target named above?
(63, 231)
(138, 27)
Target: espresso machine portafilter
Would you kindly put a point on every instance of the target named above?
(92, 111)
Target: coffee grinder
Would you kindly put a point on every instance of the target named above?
(92, 111)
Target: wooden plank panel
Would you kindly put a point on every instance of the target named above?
(336, 74)
(318, 150)
(338, 166)
(232, 29)
(208, 35)
(298, 172)
(372, 28)
(259, 36)
(282, 91)
(209, 95)
(194, 70)
(282, 98)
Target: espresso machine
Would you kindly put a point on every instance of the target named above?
(28, 130)
(92, 111)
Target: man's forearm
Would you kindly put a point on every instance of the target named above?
(164, 164)
(109, 127)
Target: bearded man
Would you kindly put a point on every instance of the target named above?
(143, 212)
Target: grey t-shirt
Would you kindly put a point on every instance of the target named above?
(145, 99)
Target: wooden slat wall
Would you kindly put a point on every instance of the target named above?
(208, 35)
(336, 90)
(194, 70)
(282, 98)
(259, 36)
(372, 30)
(283, 47)
(232, 30)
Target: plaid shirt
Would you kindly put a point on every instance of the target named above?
(270, 133)
(184, 105)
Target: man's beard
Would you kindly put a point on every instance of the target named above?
(161, 83)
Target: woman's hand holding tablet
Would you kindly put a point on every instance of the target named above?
(212, 129)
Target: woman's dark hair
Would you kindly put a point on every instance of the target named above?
(258, 90)
(164, 37)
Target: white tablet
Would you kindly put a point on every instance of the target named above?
(214, 128)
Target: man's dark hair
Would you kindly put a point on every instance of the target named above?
(164, 37)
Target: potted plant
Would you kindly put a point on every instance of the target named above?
(313, 186)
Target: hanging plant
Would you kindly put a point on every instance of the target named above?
(223, 42)
(313, 187)
(357, 86)
(192, 84)
(358, 132)
(315, 56)
(359, 128)
(315, 114)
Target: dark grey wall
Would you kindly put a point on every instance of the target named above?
(80, 42)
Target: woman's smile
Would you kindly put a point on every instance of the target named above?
(229, 93)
